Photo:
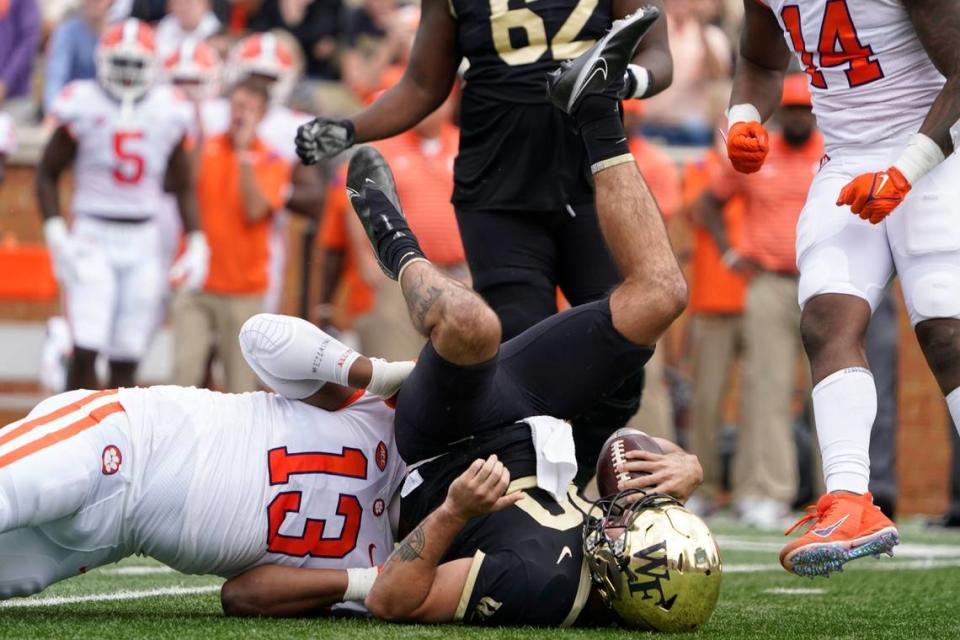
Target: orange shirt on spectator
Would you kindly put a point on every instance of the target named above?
(239, 250)
(660, 172)
(714, 288)
(773, 198)
(424, 174)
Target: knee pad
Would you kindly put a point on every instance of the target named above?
(934, 295)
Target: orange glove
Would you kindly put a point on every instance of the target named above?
(747, 146)
(872, 196)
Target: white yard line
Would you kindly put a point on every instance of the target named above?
(787, 591)
(109, 597)
(884, 564)
(145, 570)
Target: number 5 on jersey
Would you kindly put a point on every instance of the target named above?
(839, 45)
(350, 463)
(130, 163)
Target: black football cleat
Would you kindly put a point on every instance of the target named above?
(373, 193)
(602, 64)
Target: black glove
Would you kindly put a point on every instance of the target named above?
(322, 138)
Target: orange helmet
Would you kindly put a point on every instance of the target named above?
(126, 59)
(796, 91)
(264, 54)
(195, 68)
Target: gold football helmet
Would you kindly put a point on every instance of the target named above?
(655, 564)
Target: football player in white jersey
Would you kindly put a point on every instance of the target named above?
(209, 483)
(269, 57)
(885, 80)
(125, 138)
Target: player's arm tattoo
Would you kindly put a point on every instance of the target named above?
(411, 548)
(937, 23)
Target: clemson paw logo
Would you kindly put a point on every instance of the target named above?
(112, 459)
(381, 457)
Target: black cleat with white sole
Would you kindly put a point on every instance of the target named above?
(602, 64)
(373, 194)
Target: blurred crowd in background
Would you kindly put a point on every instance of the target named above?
(729, 381)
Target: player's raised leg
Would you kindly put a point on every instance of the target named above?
(654, 291)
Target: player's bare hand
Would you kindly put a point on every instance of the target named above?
(872, 196)
(323, 138)
(480, 490)
(747, 146)
(677, 474)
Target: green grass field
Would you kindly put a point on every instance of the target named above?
(915, 595)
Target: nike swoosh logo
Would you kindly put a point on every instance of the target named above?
(884, 179)
(369, 180)
(826, 531)
(598, 69)
(371, 550)
(564, 553)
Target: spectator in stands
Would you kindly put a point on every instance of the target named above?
(702, 59)
(314, 23)
(656, 414)
(70, 54)
(186, 19)
(716, 304)
(20, 26)
(765, 473)
(376, 35)
(240, 185)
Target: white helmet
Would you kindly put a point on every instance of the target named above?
(195, 68)
(267, 55)
(126, 58)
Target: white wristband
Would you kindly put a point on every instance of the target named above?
(359, 583)
(742, 113)
(921, 155)
(55, 231)
(641, 78)
(387, 377)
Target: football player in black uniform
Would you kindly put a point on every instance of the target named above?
(522, 187)
(515, 559)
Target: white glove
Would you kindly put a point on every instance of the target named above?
(63, 250)
(189, 272)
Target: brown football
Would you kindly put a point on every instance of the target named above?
(613, 452)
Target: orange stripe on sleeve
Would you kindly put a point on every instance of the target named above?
(65, 410)
(94, 418)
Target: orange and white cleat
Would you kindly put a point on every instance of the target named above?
(843, 527)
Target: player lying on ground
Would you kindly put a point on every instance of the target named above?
(466, 417)
(885, 81)
(205, 482)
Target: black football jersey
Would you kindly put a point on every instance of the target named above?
(517, 151)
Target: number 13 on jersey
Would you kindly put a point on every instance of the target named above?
(838, 44)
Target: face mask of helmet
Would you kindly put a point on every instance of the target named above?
(655, 564)
(124, 75)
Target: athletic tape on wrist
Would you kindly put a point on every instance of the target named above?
(641, 79)
(742, 113)
(359, 583)
(597, 167)
(921, 155)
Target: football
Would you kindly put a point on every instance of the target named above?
(614, 451)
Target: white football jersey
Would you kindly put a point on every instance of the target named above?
(871, 80)
(278, 129)
(121, 158)
(228, 482)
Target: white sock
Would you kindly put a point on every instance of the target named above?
(953, 403)
(845, 406)
(292, 356)
(386, 378)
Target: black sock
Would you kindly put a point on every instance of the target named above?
(602, 131)
(397, 245)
